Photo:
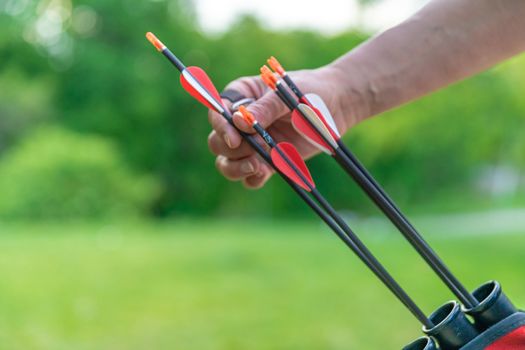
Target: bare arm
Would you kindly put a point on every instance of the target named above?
(446, 41)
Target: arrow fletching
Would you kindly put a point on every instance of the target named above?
(305, 129)
(317, 103)
(293, 155)
(197, 83)
(306, 121)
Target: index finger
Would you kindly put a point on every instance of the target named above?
(226, 131)
(250, 87)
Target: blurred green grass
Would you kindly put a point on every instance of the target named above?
(223, 285)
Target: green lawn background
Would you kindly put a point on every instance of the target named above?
(224, 285)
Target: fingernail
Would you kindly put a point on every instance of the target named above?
(227, 140)
(247, 168)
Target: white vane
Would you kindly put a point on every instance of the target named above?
(197, 86)
(318, 103)
(318, 124)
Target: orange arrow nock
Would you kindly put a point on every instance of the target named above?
(268, 77)
(276, 66)
(155, 41)
(247, 116)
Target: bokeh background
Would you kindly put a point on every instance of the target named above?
(117, 233)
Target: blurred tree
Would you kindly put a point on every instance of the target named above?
(86, 66)
(56, 174)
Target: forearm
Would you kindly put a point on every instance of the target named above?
(446, 41)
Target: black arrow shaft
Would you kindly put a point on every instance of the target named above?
(354, 243)
(328, 215)
(374, 191)
(370, 260)
(387, 206)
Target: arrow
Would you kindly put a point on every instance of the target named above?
(287, 159)
(313, 100)
(284, 155)
(193, 79)
(197, 85)
(305, 119)
(359, 173)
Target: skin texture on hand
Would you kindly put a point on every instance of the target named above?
(236, 160)
(446, 41)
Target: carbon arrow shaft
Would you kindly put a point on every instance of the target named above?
(376, 193)
(328, 215)
(354, 243)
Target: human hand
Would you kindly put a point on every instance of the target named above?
(236, 160)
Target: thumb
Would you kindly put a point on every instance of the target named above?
(266, 111)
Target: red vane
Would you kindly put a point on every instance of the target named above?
(205, 82)
(302, 126)
(291, 153)
(321, 116)
(317, 102)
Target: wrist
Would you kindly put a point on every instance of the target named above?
(354, 97)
